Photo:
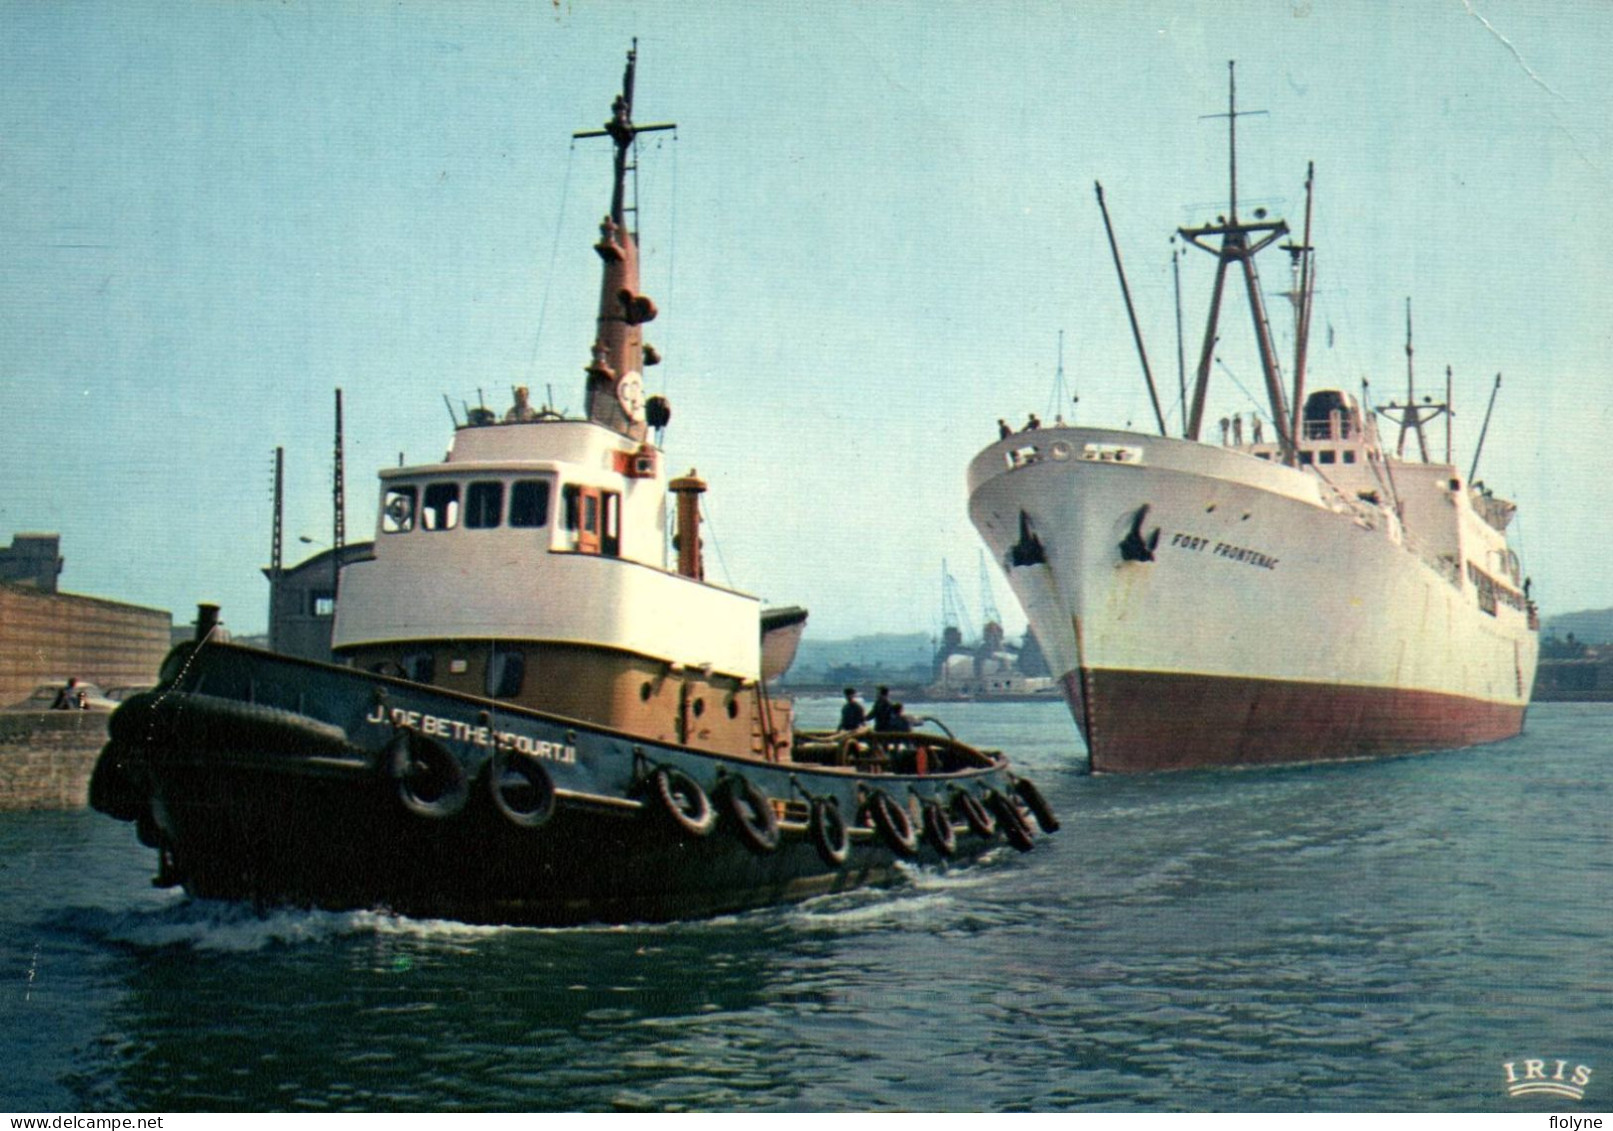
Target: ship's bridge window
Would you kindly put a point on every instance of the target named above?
(1349, 455)
(1326, 455)
(441, 508)
(529, 502)
(1307, 457)
(484, 504)
(593, 516)
(397, 510)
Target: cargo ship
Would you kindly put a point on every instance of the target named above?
(543, 712)
(1299, 594)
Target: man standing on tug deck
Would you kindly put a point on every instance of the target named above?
(852, 714)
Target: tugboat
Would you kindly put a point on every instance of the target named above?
(541, 713)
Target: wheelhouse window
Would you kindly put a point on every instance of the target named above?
(594, 518)
(322, 603)
(1306, 456)
(397, 510)
(1326, 455)
(529, 502)
(421, 667)
(484, 504)
(441, 509)
(1349, 455)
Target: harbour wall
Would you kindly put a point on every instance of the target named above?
(46, 757)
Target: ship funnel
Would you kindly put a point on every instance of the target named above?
(688, 489)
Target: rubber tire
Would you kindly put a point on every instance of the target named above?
(750, 812)
(829, 833)
(893, 824)
(412, 758)
(683, 801)
(976, 815)
(1037, 804)
(507, 768)
(1010, 821)
(938, 829)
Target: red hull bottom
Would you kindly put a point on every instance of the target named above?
(1137, 722)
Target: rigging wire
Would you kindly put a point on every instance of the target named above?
(672, 265)
(706, 525)
(554, 251)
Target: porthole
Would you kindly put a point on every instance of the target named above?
(646, 691)
(699, 707)
(733, 708)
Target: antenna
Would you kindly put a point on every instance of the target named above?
(339, 510)
(277, 546)
(277, 541)
(1136, 331)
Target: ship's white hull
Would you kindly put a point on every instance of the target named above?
(1258, 621)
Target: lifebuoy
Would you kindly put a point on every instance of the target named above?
(978, 818)
(683, 801)
(429, 780)
(938, 829)
(894, 825)
(829, 834)
(1037, 804)
(751, 813)
(1010, 820)
(522, 789)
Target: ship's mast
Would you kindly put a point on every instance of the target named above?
(1304, 291)
(614, 392)
(1240, 243)
(1412, 416)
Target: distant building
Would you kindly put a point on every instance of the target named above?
(33, 560)
(302, 602)
(46, 634)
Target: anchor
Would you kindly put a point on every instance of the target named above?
(1134, 547)
(1028, 550)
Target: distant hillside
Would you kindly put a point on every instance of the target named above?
(885, 655)
(1590, 626)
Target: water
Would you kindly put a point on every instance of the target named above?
(1374, 935)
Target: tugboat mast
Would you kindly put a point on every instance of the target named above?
(615, 389)
(1237, 247)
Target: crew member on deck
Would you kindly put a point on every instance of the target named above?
(853, 713)
(883, 712)
(522, 409)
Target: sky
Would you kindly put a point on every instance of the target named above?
(865, 238)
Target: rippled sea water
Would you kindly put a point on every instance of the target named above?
(1377, 935)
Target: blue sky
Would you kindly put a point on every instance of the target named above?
(865, 237)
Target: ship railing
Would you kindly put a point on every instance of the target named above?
(878, 752)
